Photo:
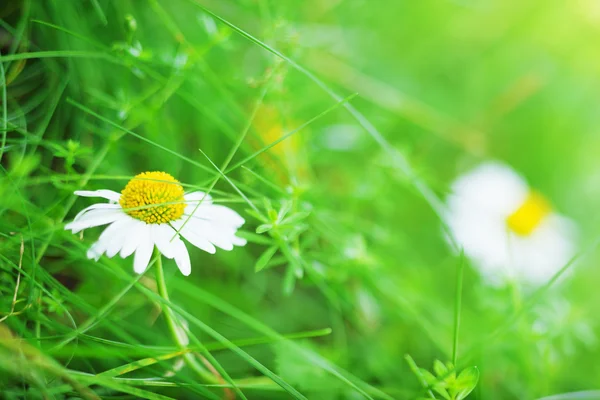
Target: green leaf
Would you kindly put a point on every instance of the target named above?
(254, 238)
(297, 217)
(430, 379)
(466, 382)
(264, 259)
(434, 383)
(256, 215)
(442, 392)
(440, 369)
(286, 207)
(272, 215)
(264, 228)
(267, 204)
(451, 372)
(289, 282)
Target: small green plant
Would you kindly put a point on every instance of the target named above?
(284, 226)
(444, 382)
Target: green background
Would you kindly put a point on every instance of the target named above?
(414, 92)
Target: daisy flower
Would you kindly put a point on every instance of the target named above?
(153, 210)
(508, 230)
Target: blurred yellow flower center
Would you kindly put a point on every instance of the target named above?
(153, 197)
(529, 215)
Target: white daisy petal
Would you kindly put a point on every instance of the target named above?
(104, 193)
(182, 257)
(95, 218)
(161, 236)
(110, 240)
(94, 252)
(123, 229)
(491, 186)
(196, 197)
(131, 241)
(171, 246)
(238, 241)
(106, 206)
(198, 241)
(227, 215)
(143, 253)
(222, 241)
(222, 214)
(217, 235)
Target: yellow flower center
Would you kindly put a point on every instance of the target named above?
(529, 215)
(153, 197)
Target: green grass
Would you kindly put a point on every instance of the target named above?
(347, 287)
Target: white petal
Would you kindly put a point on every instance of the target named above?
(222, 241)
(196, 197)
(221, 214)
(161, 236)
(198, 241)
(492, 187)
(238, 241)
(219, 236)
(123, 230)
(106, 194)
(478, 208)
(143, 253)
(182, 257)
(131, 241)
(95, 218)
(97, 206)
(171, 246)
(547, 249)
(226, 215)
(110, 240)
(94, 252)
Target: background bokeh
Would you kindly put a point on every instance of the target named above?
(94, 92)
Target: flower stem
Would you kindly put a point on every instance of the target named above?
(175, 326)
(457, 306)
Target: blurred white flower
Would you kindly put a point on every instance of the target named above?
(508, 230)
(150, 211)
